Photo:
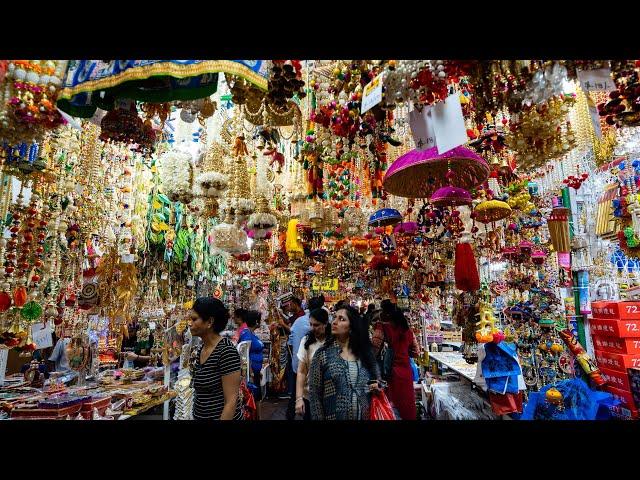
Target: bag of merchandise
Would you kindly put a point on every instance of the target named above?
(249, 410)
(380, 407)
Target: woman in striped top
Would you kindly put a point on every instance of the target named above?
(216, 367)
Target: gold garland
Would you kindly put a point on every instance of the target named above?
(173, 70)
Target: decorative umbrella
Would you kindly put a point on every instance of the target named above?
(91, 84)
(419, 173)
(384, 217)
(492, 211)
(450, 196)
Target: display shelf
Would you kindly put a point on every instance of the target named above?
(455, 362)
(147, 406)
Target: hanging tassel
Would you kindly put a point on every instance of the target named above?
(293, 246)
(466, 271)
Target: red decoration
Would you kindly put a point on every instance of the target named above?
(5, 301)
(20, 296)
(466, 271)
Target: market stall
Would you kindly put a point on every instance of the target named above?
(494, 202)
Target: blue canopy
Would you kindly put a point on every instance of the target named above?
(384, 217)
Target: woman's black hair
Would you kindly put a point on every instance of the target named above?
(241, 313)
(321, 315)
(359, 341)
(316, 302)
(212, 310)
(400, 320)
(253, 318)
(395, 314)
(340, 304)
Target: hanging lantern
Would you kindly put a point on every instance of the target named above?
(538, 257)
(387, 244)
(262, 220)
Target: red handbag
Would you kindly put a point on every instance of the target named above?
(249, 410)
(380, 407)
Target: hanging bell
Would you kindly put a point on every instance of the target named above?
(505, 168)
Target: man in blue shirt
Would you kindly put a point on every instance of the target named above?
(59, 355)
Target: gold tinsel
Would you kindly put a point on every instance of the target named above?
(603, 147)
(117, 287)
(92, 179)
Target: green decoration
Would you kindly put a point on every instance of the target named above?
(31, 311)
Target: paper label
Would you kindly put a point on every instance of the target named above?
(421, 122)
(371, 94)
(448, 124)
(41, 335)
(596, 80)
(4, 355)
(164, 276)
(127, 258)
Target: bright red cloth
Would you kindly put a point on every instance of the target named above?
(400, 390)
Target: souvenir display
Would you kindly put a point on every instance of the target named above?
(495, 204)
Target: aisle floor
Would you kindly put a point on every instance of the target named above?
(275, 409)
(272, 409)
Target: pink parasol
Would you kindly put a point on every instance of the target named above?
(419, 173)
(450, 196)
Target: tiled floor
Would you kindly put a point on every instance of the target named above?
(274, 409)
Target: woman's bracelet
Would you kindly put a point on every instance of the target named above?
(299, 398)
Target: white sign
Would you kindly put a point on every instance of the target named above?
(596, 80)
(41, 335)
(4, 355)
(70, 120)
(372, 94)
(448, 124)
(421, 122)
(128, 258)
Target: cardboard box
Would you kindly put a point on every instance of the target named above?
(100, 403)
(625, 397)
(616, 310)
(619, 380)
(617, 361)
(634, 383)
(629, 346)
(615, 328)
(623, 413)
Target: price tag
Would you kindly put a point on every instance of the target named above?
(190, 282)
(448, 124)
(4, 355)
(127, 258)
(596, 80)
(41, 335)
(164, 276)
(421, 122)
(371, 94)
